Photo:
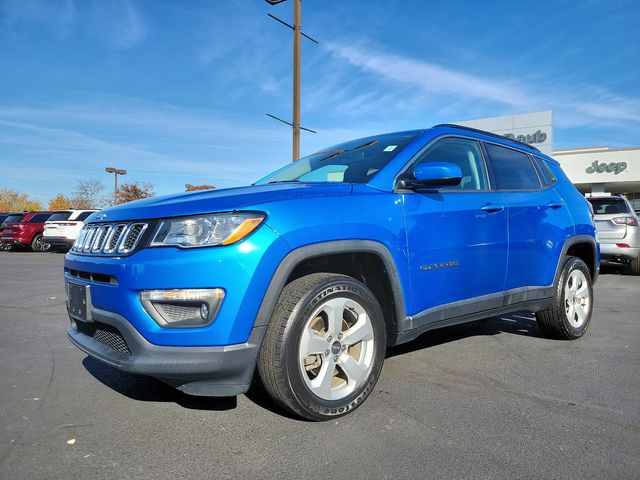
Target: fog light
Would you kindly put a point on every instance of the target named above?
(182, 308)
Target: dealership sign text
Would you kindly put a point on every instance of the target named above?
(538, 137)
(613, 167)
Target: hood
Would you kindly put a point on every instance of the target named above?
(223, 200)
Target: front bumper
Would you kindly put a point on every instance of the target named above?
(216, 359)
(208, 371)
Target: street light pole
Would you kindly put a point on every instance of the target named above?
(116, 172)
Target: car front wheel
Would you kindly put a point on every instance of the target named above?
(324, 347)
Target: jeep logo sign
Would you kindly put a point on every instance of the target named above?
(613, 167)
(538, 137)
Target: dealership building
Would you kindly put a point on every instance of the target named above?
(593, 170)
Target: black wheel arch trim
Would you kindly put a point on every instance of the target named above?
(575, 240)
(295, 257)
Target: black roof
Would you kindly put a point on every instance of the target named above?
(490, 134)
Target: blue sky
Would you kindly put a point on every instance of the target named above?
(176, 91)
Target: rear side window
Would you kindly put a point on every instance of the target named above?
(83, 216)
(512, 170)
(609, 205)
(59, 217)
(13, 219)
(464, 153)
(40, 218)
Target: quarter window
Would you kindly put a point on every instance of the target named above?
(39, 218)
(464, 153)
(546, 175)
(512, 170)
(83, 216)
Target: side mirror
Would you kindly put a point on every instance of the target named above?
(433, 175)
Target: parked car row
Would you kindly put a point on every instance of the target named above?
(41, 230)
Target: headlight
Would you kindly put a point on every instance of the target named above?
(206, 230)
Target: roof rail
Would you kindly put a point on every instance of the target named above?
(483, 132)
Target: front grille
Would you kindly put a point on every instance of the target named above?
(106, 334)
(108, 239)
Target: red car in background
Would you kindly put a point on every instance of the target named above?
(25, 230)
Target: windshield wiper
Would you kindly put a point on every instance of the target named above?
(335, 153)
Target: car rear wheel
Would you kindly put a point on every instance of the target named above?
(324, 347)
(570, 314)
(39, 245)
(634, 266)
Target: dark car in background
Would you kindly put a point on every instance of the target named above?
(3, 217)
(25, 230)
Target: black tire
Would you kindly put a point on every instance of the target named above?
(279, 361)
(5, 247)
(554, 322)
(634, 266)
(39, 245)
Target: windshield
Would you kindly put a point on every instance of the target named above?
(356, 161)
(13, 219)
(609, 205)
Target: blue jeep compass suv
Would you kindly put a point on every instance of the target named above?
(307, 276)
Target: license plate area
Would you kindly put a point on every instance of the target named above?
(78, 301)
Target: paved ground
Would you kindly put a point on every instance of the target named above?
(487, 400)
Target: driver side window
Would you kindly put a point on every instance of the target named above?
(464, 153)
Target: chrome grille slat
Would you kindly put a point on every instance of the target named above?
(109, 239)
(91, 234)
(100, 237)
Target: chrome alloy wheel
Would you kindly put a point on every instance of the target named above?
(577, 299)
(336, 348)
(41, 245)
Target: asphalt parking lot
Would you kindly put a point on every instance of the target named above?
(490, 399)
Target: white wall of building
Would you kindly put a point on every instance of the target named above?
(602, 169)
(533, 128)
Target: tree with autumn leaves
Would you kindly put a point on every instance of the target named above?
(128, 192)
(88, 194)
(14, 201)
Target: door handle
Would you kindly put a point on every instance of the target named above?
(554, 205)
(492, 208)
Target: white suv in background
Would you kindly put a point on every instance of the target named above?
(63, 227)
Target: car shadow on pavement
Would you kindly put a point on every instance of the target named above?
(518, 324)
(148, 389)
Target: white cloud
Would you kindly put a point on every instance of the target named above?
(427, 82)
(117, 23)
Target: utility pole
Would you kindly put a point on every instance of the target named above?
(297, 33)
(116, 172)
(297, 22)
